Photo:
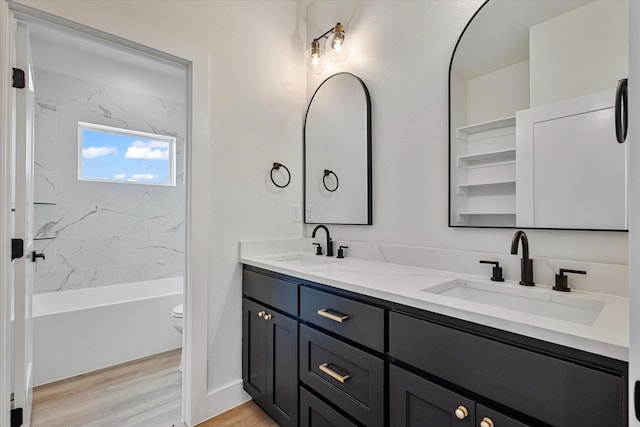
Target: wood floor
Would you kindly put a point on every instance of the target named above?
(143, 393)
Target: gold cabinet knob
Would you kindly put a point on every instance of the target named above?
(267, 317)
(487, 422)
(261, 313)
(461, 412)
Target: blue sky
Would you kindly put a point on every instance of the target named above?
(116, 157)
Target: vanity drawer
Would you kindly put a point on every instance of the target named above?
(277, 293)
(356, 321)
(553, 390)
(348, 377)
(315, 413)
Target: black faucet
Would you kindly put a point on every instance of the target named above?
(329, 241)
(526, 276)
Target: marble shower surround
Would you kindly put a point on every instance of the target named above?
(98, 233)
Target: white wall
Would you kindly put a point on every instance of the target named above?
(498, 94)
(578, 53)
(402, 51)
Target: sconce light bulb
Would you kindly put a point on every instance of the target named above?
(314, 58)
(338, 44)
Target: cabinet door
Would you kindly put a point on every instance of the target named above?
(254, 348)
(416, 402)
(282, 368)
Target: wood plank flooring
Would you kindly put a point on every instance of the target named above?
(246, 415)
(145, 393)
(142, 393)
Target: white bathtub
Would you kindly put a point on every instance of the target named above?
(83, 330)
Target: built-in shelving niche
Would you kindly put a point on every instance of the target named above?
(486, 174)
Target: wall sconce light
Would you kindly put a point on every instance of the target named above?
(337, 49)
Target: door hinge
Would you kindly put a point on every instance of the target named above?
(18, 78)
(17, 248)
(16, 417)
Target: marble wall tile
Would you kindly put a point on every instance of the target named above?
(158, 248)
(84, 253)
(56, 281)
(111, 275)
(105, 233)
(57, 220)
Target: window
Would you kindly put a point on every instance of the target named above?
(120, 155)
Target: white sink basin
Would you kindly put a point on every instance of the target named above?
(302, 259)
(538, 301)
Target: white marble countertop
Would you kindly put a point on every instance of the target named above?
(607, 335)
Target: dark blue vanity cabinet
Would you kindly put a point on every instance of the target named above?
(270, 345)
(338, 358)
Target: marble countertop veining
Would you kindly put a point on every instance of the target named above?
(608, 335)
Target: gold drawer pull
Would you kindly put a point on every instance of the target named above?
(461, 412)
(335, 317)
(487, 422)
(333, 374)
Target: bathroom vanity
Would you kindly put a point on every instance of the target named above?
(322, 348)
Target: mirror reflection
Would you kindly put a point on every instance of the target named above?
(337, 153)
(532, 132)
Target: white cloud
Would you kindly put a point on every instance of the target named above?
(152, 150)
(93, 152)
(120, 176)
(146, 176)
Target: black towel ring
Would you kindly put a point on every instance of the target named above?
(277, 166)
(327, 172)
(621, 114)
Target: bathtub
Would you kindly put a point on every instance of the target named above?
(83, 330)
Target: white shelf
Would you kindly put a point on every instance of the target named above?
(465, 213)
(505, 186)
(489, 158)
(486, 126)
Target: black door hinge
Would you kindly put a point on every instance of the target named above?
(16, 417)
(17, 249)
(18, 78)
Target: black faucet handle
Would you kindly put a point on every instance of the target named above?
(562, 283)
(318, 249)
(341, 251)
(497, 270)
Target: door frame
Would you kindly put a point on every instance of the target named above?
(5, 215)
(194, 386)
(634, 209)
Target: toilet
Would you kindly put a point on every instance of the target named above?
(177, 313)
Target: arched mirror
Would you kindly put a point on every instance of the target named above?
(532, 89)
(337, 153)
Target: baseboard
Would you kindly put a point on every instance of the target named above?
(225, 398)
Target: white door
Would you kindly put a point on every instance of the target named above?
(22, 284)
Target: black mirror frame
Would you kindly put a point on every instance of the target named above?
(369, 156)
